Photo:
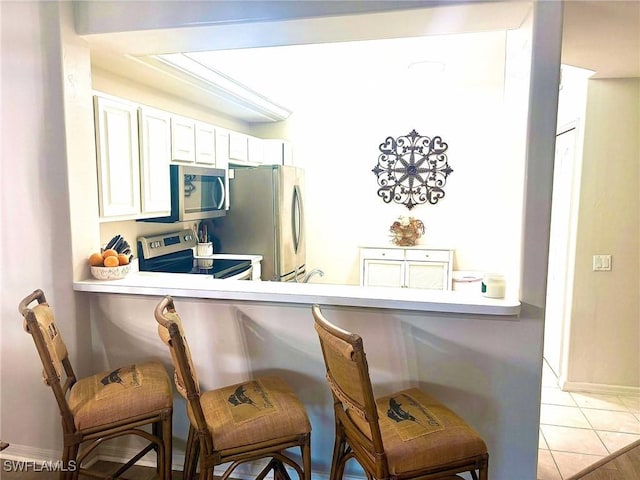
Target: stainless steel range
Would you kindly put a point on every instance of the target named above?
(172, 252)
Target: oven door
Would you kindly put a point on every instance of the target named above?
(244, 275)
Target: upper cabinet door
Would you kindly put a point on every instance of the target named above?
(256, 150)
(222, 148)
(205, 144)
(222, 159)
(273, 151)
(183, 139)
(238, 147)
(155, 156)
(118, 161)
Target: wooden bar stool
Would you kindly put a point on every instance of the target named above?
(103, 406)
(253, 420)
(406, 435)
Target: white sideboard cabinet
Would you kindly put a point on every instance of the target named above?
(407, 267)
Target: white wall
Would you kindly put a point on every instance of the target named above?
(336, 133)
(604, 348)
(36, 237)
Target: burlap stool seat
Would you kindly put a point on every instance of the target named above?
(245, 422)
(289, 417)
(124, 401)
(120, 395)
(438, 438)
(405, 435)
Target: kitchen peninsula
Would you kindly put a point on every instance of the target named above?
(206, 287)
(467, 353)
(465, 348)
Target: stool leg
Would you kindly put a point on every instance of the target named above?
(69, 453)
(167, 440)
(191, 455)
(484, 470)
(339, 446)
(156, 431)
(279, 472)
(306, 457)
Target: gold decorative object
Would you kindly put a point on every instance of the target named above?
(406, 231)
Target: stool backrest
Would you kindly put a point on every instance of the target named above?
(186, 379)
(39, 321)
(348, 377)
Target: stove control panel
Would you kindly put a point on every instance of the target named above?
(171, 242)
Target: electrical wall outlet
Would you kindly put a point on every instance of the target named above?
(601, 263)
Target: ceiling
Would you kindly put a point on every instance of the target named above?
(602, 36)
(282, 73)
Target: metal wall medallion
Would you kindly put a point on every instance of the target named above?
(412, 169)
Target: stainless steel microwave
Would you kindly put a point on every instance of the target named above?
(197, 193)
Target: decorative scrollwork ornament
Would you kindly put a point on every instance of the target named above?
(412, 169)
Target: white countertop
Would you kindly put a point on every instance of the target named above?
(205, 286)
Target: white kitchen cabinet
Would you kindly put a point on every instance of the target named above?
(192, 141)
(245, 149)
(155, 156)
(183, 148)
(222, 148)
(249, 150)
(408, 267)
(255, 148)
(238, 147)
(116, 126)
(222, 158)
(277, 152)
(287, 153)
(133, 155)
(205, 144)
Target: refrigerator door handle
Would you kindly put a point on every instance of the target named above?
(296, 217)
(222, 193)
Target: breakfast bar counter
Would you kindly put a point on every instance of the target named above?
(206, 287)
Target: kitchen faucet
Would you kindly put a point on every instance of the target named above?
(307, 277)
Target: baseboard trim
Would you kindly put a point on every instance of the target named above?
(37, 456)
(24, 453)
(600, 388)
(110, 453)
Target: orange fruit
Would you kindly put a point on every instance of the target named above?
(123, 259)
(95, 260)
(109, 253)
(111, 261)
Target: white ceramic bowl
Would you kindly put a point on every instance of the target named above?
(110, 273)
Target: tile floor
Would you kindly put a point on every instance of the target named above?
(578, 429)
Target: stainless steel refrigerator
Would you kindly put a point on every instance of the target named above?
(266, 217)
